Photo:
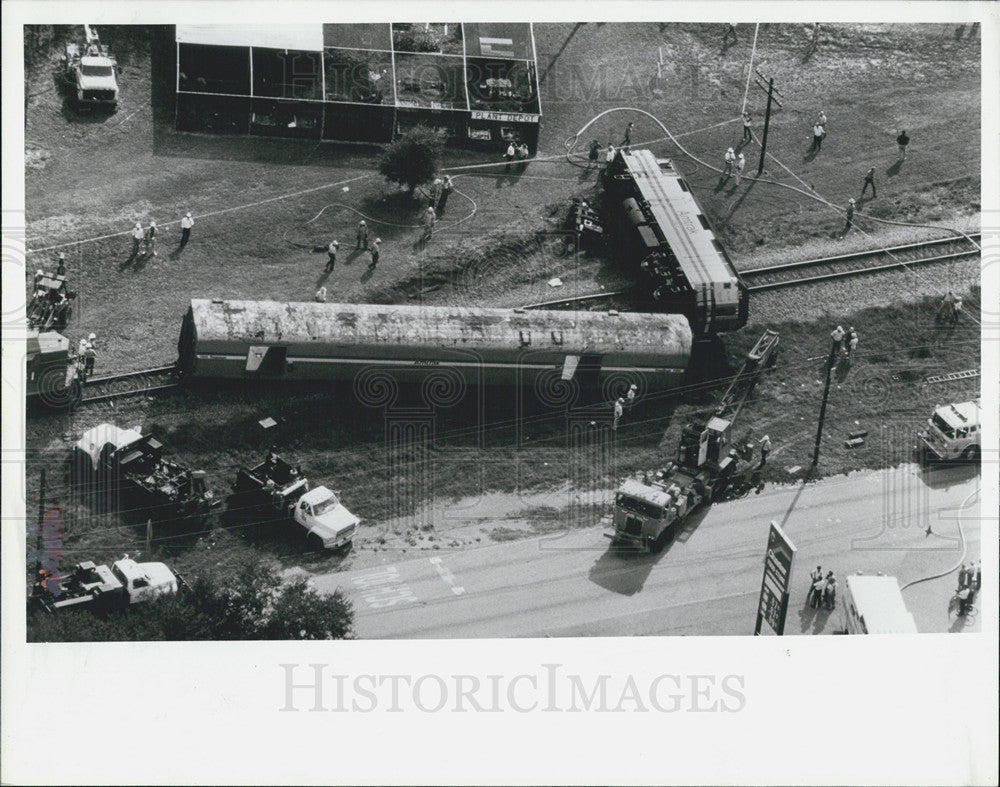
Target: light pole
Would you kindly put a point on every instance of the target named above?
(837, 336)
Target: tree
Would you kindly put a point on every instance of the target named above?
(412, 159)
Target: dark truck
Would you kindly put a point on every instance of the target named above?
(277, 486)
(133, 463)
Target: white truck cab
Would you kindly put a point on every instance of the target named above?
(144, 581)
(327, 522)
(953, 432)
(94, 441)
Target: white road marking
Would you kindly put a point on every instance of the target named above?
(447, 577)
(384, 588)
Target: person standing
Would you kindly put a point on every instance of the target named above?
(627, 139)
(374, 251)
(945, 309)
(436, 192)
(609, 156)
(137, 236)
(61, 269)
(741, 162)
(869, 181)
(830, 591)
(524, 153)
(977, 577)
(765, 449)
(619, 409)
(818, 133)
(747, 123)
(446, 188)
(594, 153)
(87, 351)
(956, 310)
(630, 396)
(819, 586)
(821, 119)
(850, 217)
(850, 342)
(331, 256)
(963, 577)
(730, 164)
(964, 600)
(509, 154)
(186, 224)
(429, 217)
(151, 238)
(362, 236)
(902, 141)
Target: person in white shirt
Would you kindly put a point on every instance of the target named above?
(137, 237)
(730, 163)
(186, 224)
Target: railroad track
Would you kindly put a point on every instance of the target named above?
(858, 263)
(616, 299)
(99, 389)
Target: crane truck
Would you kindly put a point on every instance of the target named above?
(90, 72)
(648, 511)
(127, 460)
(125, 583)
(280, 488)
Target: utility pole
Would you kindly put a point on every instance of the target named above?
(837, 337)
(39, 540)
(772, 97)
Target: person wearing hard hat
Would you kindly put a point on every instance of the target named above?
(331, 256)
(850, 216)
(374, 251)
(619, 409)
(362, 236)
(630, 396)
(61, 269)
(86, 351)
(765, 449)
(730, 159)
(186, 224)
(137, 237)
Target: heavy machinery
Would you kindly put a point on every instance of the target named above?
(53, 373)
(280, 488)
(90, 71)
(953, 432)
(51, 304)
(127, 461)
(126, 582)
(647, 511)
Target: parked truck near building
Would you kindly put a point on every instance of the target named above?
(953, 432)
(874, 605)
(126, 582)
(90, 71)
(648, 511)
(127, 461)
(279, 487)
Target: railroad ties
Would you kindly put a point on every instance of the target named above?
(99, 389)
(858, 263)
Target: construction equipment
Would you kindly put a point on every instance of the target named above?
(90, 72)
(54, 374)
(51, 304)
(647, 511)
(281, 488)
(125, 583)
(124, 460)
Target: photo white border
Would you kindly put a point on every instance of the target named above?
(185, 713)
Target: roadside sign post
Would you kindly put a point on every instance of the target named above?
(773, 605)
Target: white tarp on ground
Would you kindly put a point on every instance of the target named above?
(306, 38)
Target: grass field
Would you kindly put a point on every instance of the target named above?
(260, 205)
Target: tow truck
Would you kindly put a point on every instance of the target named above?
(126, 459)
(90, 71)
(281, 488)
(647, 511)
(953, 432)
(125, 583)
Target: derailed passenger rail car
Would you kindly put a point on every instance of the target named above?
(337, 341)
(657, 224)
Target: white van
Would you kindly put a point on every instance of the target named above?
(874, 605)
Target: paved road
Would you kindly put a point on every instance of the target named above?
(706, 582)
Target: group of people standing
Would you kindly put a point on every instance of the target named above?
(515, 150)
(822, 590)
(146, 238)
(970, 580)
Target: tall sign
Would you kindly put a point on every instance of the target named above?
(773, 604)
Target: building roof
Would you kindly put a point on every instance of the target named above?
(307, 38)
(461, 327)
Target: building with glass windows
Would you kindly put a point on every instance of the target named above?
(478, 82)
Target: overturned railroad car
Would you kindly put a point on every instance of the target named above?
(340, 341)
(659, 228)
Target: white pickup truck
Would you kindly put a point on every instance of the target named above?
(126, 582)
(277, 485)
(91, 70)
